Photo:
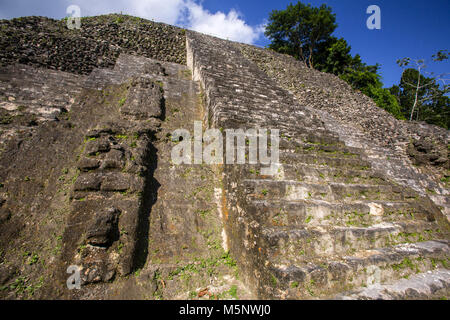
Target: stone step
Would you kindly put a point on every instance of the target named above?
(23, 94)
(336, 192)
(319, 212)
(52, 99)
(303, 146)
(317, 136)
(302, 244)
(281, 120)
(364, 268)
(50, 95)
(324, 160)
(101, 78)
(423, 286)
(317, 174)
(19, 73)
(40, 87)
(38, 111)
(256, 93)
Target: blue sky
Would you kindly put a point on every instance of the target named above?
(412, 28)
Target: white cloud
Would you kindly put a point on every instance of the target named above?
(168, 11)
(228, 26)
(186, 13)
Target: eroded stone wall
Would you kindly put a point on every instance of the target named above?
(45, 42)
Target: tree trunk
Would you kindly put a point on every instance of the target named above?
(416, 97)
(310, 58)
(302, 57)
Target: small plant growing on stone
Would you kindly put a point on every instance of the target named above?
(33, 259)
(274, 280)
(233, 292)
(122, 101)
(120, 20)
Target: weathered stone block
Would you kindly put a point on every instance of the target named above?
(97, 146)
(103, 231)
(113, 160)
(116, 182)
(88, 182)
(144, 100)
(97, 266)
(5, 215)
(119, 182)
(87, 164)
(154, 69)
(6, 273)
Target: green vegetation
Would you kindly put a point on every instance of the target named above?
(192, 295)
(274, 280)
(6, 119)
(23, 287)
(120, 20)
(300, 30)
(121, 136)
(187, 73)
(120, 247)
(309, 288)
(208, 265)
(233, 292)
(122, 101)
(34, 258)
(305, 32)
(423, 98)
(406, 263)
(204, 213)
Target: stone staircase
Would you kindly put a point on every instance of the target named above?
(389, 144)
(336, 226)
(327, 223)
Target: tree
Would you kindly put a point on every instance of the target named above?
(362, 77)
(418, 90)
(305, 33)
(386, 100)
(300, 29)
(429, 101)
(437, 112)
(333, 56)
